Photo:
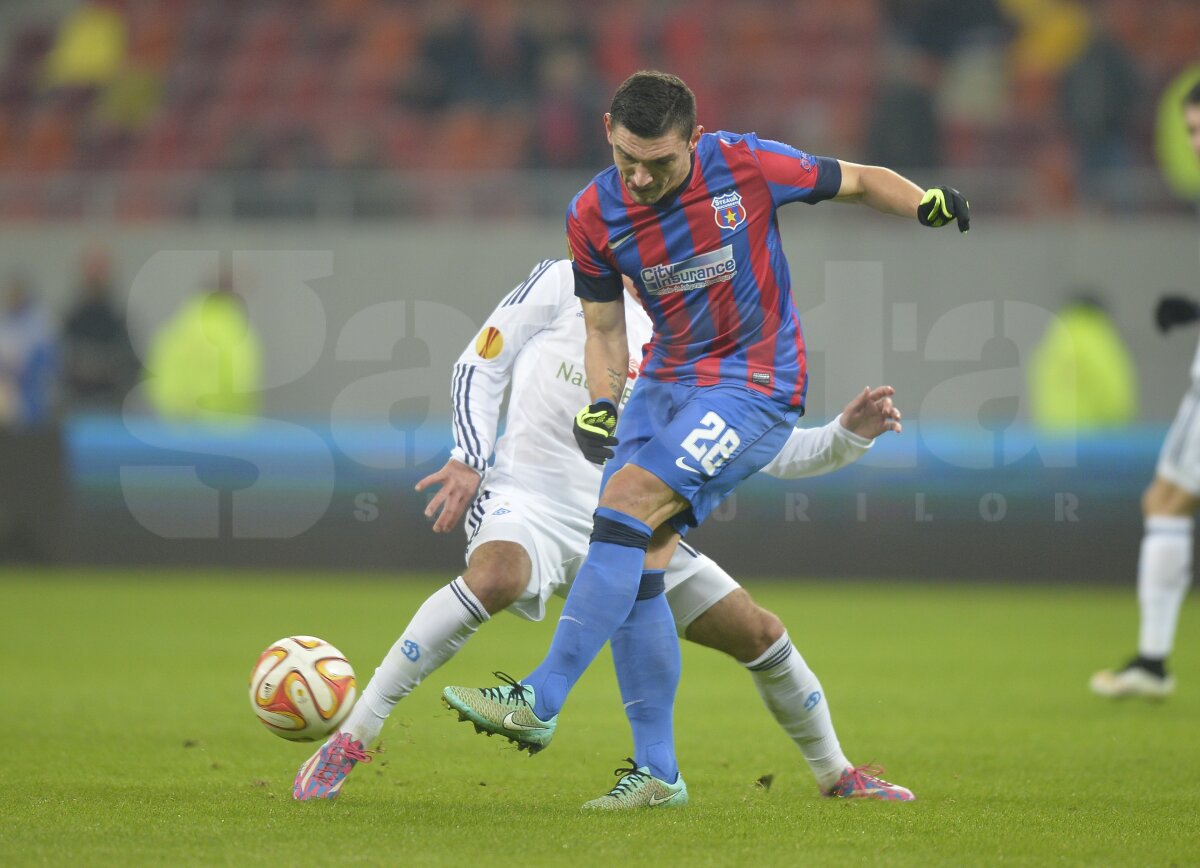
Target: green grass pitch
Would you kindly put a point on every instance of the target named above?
(130, 738)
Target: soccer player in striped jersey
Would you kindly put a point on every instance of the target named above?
(690, 218)
(528, 523)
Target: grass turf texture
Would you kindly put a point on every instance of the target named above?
(131, 740)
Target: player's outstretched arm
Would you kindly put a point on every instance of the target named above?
(480, 379)
(459, 485)
(891, 193)
(817, 451)
(606, 363)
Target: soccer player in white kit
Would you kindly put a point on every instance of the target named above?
(1169, 506)
(530, 518)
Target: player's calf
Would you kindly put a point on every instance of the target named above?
(737, 626)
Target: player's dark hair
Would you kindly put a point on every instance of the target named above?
(1193, 96)
(649, 103)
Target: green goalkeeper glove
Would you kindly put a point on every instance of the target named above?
(594, 426)
(943, 204)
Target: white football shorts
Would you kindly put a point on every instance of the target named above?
(557, 544)
(1179, 460)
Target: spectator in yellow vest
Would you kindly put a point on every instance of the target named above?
(1081, 376)
(206, 362)
(89, 49)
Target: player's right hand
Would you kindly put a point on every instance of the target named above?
(594, 426)
(871, 413)
(940, 205)
(1175, 310)
(459, 485)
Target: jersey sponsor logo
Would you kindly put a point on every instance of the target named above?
(490, 343)
(569, 373)
(696, 272)
(728, 210)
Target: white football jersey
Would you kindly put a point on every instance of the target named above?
(532, 344)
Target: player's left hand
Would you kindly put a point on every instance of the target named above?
(943, 204)
(871, 413)
(593, 428)
(1174, 310)
(459, 485)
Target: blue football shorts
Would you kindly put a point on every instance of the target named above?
(699, 440)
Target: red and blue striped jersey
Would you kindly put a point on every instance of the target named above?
(707, 262)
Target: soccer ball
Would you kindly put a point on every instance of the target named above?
(301, 688)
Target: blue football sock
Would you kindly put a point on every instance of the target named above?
(645, 653)
(600, 598)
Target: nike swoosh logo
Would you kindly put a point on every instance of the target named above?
(509, 723)
(683, 465)
(655, 801)
(613, 245)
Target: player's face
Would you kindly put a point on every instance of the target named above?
(651, 168)
(1191, 114)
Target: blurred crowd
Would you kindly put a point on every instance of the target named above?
(206, 358)
(1065, 88)
(85, 360)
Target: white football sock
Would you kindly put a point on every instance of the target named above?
(1164, 575)
(795, 699)
(440, 627)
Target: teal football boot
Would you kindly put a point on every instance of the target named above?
(506, 710)
(637, 788)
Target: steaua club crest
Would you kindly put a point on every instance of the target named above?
(728, 210)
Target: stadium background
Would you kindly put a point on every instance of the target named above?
(403, 164)
(370, 176)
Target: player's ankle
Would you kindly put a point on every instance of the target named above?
(1153, 665)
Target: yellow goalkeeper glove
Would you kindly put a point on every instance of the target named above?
(943, 204)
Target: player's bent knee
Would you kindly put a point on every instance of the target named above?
(737, 626)
(498, 574)
(639, 493)
(760, 631)
(1164, 498)
(770, 628)
(618, 531)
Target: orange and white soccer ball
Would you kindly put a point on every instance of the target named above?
(301, 688)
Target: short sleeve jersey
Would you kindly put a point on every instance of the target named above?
(707, 262)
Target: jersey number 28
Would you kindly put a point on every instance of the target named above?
(712, 443)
